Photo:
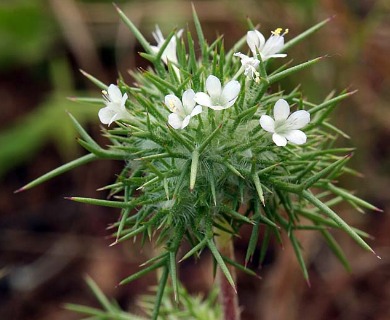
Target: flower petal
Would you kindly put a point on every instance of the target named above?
(230, 93)
(298, 119)
(198, 109)
(123, 101)
(158, 36)
(203, 99)
(213, 86)
(218, 107)
(255, 41)
(296, 136)
(114, 93)
(155, 49)
(185, 122)
(281, 110)
(173, 103)
(179, 33)
(188, 100)
(274, 44)
(123, 114)
(175, 121)
(106, 115)
(277, 55)
(279, 140)
(267, 123)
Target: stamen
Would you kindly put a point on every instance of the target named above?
(277, 32)
(172, 106)
(106, 96)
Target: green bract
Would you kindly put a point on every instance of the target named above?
(221, 170)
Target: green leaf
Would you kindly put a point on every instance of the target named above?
(236, 215)
(333, 215)
(160, 293)
(95, 81)
(336, 249)
(305, 34)
(319, 175)
(143, 272)
(94, 101)
(173, 273)
(264, 245)
(252, 243)
(259, 189)
(218, 258)
(99, 294)
(82, 132)
(350, 197)
(182, 177)
(194, 249)
(180, 139)
(144, 43)
(162, 85)
(208, 140)
(212, 187)
(331, 102)
(102, 153)
(104, 203)
(194, 168)
(240, 267)
(62, 169)
(299, 255)
(277, 77)
(125, 212)
(199, 31)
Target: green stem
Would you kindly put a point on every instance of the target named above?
(227, 294)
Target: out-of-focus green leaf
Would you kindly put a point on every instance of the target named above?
(48, 122)
(26, 32)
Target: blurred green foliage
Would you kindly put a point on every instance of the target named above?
(27, 31)
(27, 35)
(48, 122)
(189, 308)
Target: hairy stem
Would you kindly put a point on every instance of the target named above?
(227, 293)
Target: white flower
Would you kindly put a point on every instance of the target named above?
(115, 105)
(285, 127)
(218, 98)
(182, 112)
(170, 51)
(267, 49)
(250, 66)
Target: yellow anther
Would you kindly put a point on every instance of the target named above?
(277, 31)
(104, 92)
(172, 106)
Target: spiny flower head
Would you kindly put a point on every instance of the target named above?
(191, 172)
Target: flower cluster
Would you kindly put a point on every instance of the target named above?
(284, 127)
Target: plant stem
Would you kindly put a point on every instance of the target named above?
(227, 294)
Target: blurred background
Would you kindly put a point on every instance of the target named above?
(48, 244)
